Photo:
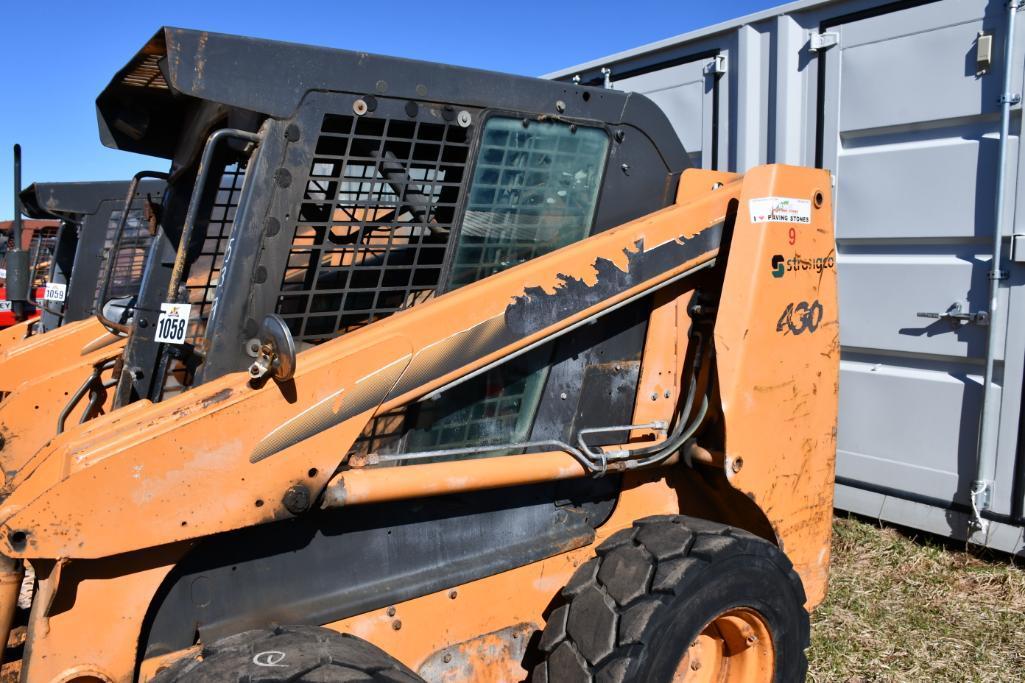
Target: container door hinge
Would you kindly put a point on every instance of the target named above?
(1010, 98)
(823, 41)
(1018, 248)
(716, 67)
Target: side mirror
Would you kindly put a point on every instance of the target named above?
(276, 355)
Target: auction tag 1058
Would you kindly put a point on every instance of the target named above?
(173, 323)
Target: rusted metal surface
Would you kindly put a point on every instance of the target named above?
(39, 354)
(11, 573)
(44, 397)
(778, 375)
(493, 657)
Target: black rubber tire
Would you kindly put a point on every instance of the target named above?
(630, 613)
(301, 654)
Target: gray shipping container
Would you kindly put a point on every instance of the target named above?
(902, 102)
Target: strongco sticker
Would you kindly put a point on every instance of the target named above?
(780, 210)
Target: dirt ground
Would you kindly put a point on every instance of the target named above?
(905, 608)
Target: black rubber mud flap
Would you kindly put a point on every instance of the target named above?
(630, 613)
(299, 654)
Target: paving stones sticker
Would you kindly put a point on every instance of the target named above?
(780, 210)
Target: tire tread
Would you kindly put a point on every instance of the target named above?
(673, 546)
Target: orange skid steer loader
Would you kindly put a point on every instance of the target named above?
(437, 374)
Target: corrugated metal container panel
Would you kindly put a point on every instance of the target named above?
(888, 97)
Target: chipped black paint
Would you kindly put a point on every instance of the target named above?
(538, 309)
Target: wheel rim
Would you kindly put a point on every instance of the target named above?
(734, 646)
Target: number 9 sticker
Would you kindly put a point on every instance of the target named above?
(173, 323)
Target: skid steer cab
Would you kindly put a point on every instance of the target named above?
(438, 374)
(84, 246)
(57, 370)
(83, 258)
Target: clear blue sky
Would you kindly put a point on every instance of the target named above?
(56, 55)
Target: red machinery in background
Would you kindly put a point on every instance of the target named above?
(38, 236)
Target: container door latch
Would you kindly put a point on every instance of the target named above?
(957, 316)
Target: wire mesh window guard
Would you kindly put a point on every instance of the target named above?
(130, 258)
(41, 254)
(205, 269)
(374, 226)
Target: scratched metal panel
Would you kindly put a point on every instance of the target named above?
(913, 142)
(684, 93)
(910, 132)
(914, 66)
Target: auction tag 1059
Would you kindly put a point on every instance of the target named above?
(55, 291)
(173, 323)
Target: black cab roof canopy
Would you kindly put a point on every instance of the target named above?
(145, 107)
(57, 200)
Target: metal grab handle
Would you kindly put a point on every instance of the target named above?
(955, 315)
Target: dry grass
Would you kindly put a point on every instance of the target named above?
(912, 609)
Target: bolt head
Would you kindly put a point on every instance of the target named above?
(297, 499)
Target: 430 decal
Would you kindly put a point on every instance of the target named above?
(800, 317)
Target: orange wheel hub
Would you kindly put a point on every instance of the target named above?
(735, 646)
